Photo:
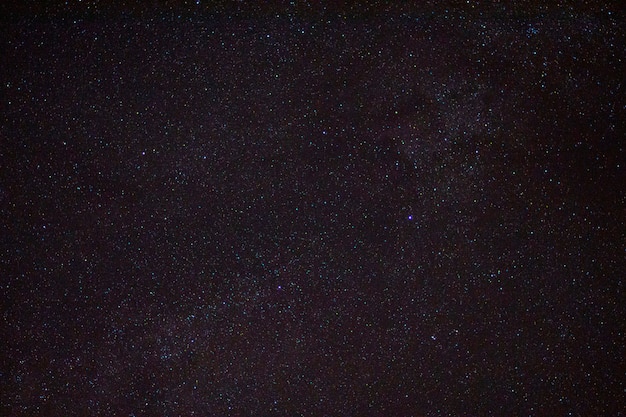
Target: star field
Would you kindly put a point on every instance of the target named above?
(307, 210)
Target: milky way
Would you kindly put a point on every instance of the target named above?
(310, 211)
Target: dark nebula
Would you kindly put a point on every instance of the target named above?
(301, 210)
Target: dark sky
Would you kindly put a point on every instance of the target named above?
(309, 211)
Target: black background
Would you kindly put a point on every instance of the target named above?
(301, 209)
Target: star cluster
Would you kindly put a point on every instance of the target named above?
(313, 211)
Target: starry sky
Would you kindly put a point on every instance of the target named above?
(312, 210)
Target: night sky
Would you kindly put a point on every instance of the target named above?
(313, 211)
